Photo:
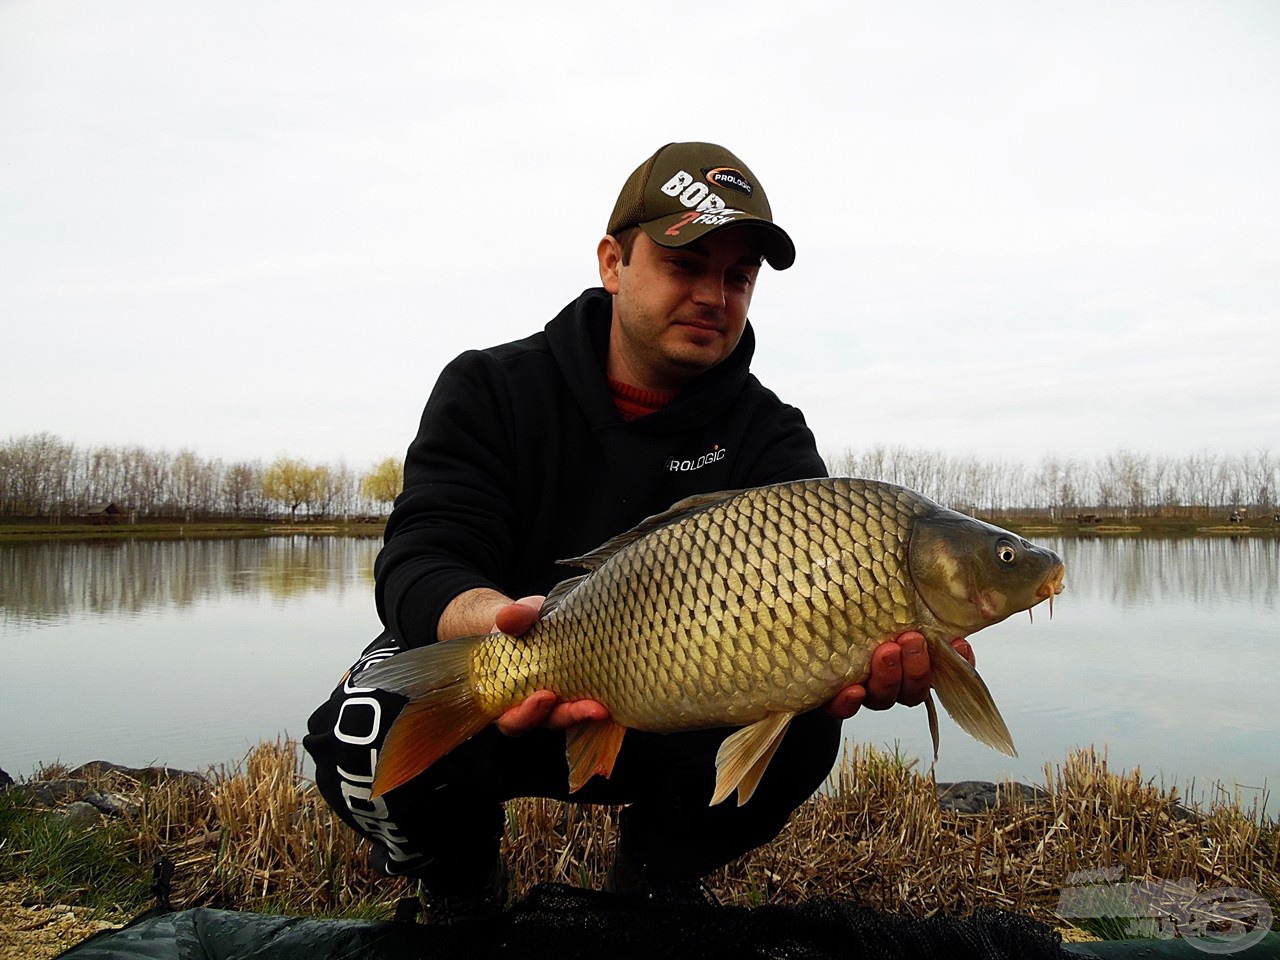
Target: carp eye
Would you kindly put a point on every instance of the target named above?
(1006, 552)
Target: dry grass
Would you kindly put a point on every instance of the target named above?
(880, 836)
(259, 837)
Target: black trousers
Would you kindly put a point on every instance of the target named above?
(445, 825)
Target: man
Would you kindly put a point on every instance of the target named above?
(636, 395)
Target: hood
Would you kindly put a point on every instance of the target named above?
(579, 342)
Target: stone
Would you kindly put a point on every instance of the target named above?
(80, 814)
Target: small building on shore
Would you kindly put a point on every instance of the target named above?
(104, 513)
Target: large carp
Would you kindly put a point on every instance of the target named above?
(740, 608)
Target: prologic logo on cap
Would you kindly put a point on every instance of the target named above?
(728, 177)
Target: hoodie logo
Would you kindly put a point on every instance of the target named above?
(684, 466)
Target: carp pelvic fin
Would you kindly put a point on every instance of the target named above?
(591, 748)
(442, 711)
(967, 699)
(744, 755)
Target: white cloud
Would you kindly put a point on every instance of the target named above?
(283, 219)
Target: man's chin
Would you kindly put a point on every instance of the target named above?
(690, 363)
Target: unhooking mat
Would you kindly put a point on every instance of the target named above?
(566, 923)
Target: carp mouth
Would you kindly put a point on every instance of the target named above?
(1052, 586)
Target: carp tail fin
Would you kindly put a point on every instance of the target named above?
(443, 710)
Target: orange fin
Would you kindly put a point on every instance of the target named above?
(424, 732)
(442, 711)
(744, 755)
(592, 747)
(967, 698)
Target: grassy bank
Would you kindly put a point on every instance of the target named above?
(258, 837)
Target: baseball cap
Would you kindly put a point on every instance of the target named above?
(687, 190)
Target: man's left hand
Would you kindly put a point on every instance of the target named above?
(543, 708)
(900, 673)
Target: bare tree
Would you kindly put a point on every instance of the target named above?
(241, 487)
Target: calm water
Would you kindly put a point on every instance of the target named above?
(189, 653)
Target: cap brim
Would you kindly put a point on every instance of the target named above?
(681, 229)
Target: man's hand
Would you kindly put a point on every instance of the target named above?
(900, 673)
(543, 708)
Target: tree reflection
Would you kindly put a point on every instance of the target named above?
(49, 580)
(1135, 571)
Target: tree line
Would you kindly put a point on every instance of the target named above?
(1120, 482)
(44, 476)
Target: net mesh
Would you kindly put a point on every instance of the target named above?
(565, 923)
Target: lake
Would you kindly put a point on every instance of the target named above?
(188, 653)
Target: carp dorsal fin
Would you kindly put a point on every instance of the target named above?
(559, 592)
(676, 512)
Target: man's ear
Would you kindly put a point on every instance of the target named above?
(609, 254)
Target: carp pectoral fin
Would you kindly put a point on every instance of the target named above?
(591, 748)
(967, 699)
(744, 755)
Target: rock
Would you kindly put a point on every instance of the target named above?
(80, 814)
(979, 796)
(5, 779)
(149, 776)
(92, 784)
(113, 804)
(50, 793)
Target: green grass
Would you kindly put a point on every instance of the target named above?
(95, 869)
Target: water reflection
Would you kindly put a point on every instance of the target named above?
(1132, 572)
(190, 652)
(48, 581)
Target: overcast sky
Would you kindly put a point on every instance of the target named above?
(249, 228)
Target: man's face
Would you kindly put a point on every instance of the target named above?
(678, 312)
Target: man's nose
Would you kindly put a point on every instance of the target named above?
(709, 290)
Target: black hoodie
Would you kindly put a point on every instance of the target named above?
(522, 459)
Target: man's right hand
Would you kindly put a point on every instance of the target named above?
(543, 708)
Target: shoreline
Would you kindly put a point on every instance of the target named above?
(258, 838)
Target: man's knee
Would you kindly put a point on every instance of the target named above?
(344, 735)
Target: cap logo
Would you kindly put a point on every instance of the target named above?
(693, 193)
(728, 177)
(727, 215)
